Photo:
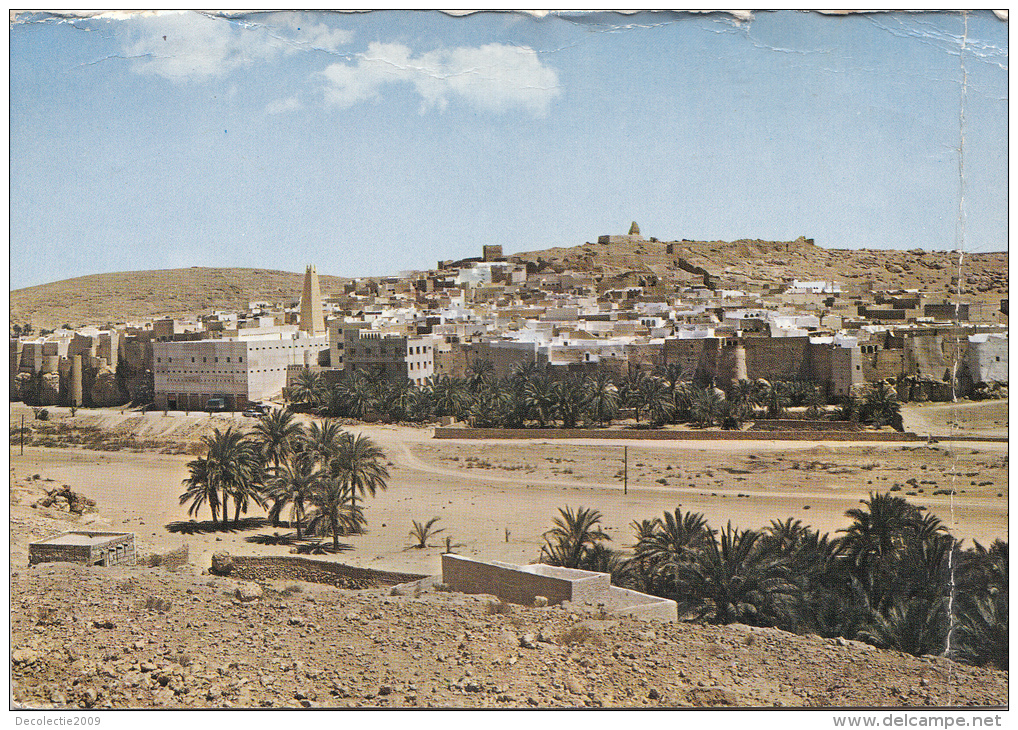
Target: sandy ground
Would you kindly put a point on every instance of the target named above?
(978, 418)
(479, 490)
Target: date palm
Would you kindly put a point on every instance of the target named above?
(602, 398)
(571, 536)
(278, 433)
(744, 581)
(447, 396)
(292, 484)
(422, 532)
(322, 441)
(916, 626)
(540, 398)
(199, 489)
(360, 463)
(309, 388)
(234, 467)
(334, 509)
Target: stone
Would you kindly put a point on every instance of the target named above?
(540, 601)
(528, 641)
(26, 656)
(574, 686)
(222, 563)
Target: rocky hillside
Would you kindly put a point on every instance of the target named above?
(151, 637)
(127, 295)
(753, 263)
(122, 296)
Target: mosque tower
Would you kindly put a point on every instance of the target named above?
(312, 321)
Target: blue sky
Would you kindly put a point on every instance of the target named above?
(379, 142)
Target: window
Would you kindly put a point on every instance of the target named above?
(240, 359)
(217, 359)
(227, 359)
(159, 359)
(192, 359)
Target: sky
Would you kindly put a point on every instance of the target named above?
(374, 143)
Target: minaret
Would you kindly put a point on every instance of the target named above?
(311, 319)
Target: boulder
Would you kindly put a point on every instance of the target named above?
(222, 564)
(248, 592)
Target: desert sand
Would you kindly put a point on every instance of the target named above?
(496, 498)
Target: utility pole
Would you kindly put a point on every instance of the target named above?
(22, 434)
(625, 470)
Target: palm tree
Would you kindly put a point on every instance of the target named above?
(334, 507)
(663, 543)
(322, 441)
(234, 467)
(572, 535)
(669, 540)
(980, 636)
(424, 532)
(479, 374)
(916, 626)
(447, 396)
(878, 529)
(745, 581)
(570, 400)
(200, 489)
(671, 374)
(360, 464)
(880, 406)
(776, 398)
(539, 396)
(309, 388)
(707, 406)
(278, 433)
(632, 392)
(658, 400)
(293, 483)
(602, 398)
(359, 394)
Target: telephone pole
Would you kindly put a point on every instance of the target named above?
(625, 470)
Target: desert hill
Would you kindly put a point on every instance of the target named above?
(128, 295)
(122, 296)
(753, 263)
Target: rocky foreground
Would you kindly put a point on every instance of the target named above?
(147, 637)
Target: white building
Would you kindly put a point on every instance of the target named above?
(986, 358)
(248, 367)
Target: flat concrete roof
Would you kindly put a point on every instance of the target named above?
(82, 538)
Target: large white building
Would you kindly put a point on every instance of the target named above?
(248, 367)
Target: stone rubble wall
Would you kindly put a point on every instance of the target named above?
(314, 571)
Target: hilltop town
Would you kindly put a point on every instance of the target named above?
(621, 303)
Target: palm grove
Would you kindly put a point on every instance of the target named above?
(314, 475)
(893, 578)
(532, 395)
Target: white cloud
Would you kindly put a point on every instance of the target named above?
(493, 77)
(197, 46)
(281, 106)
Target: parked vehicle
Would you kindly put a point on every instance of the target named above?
(215, 405)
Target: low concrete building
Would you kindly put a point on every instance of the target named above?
(85, 547)
(521, 584)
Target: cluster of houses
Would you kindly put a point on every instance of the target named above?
(509, 311)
